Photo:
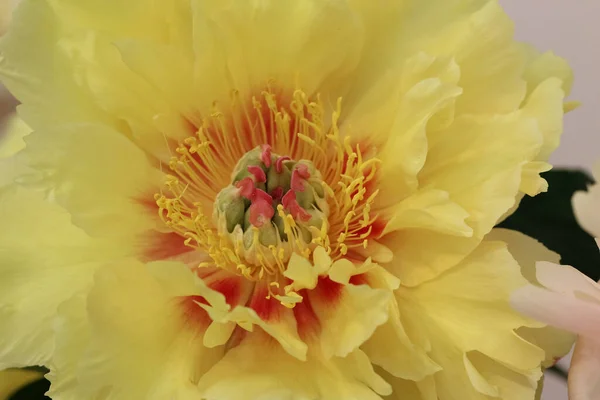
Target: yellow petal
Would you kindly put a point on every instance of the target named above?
(41, 268)
(504, 382)
(430, 209)
(403, 389)
(404, 153)
(122, 93)
(421, 255)
(377, 250)
(282, 329)
(102, 191)
(304, 43)
(401, 104)
(131, 338)
(342, 270)
(217, 333)
(168, 70)
(479, 35)
(321, 260)
(61, 93)
(451, 311)
(557, 343)
(391, 349)
(303, 274)
(43, 79)
(546, 105)
(470, 163)
(72, 331)
(137, 16)
(571, 106)
(541, 66)
(256, 369)
(280, 322)
(532, 183)
(14, 131)
(549, 80)
(353, 318)
(12, 134)
(526, 250)
(389, 346)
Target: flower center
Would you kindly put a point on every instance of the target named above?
(302, 185)
(274, 206)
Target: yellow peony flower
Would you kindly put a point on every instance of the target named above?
(274, 199)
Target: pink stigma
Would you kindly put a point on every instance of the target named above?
(291, 204)
(277, 193)
(279, 163)
(299, 174)
(246, 187)
(297, 183)
(265, 156)
(261, 195)
(258, 173)
(303, 171)
(261, 209)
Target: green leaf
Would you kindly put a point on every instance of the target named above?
(549, 218)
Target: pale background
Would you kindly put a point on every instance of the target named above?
(572, 29)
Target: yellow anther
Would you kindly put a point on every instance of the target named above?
(348, 218)
(358, 196)
(343, 249)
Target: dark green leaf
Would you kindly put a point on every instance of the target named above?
(549, 218)
(33, 391)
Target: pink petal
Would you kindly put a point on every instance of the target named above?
(565, 279)
(560, 310)
(584, 375)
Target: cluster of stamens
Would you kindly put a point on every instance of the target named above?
(271, 206)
